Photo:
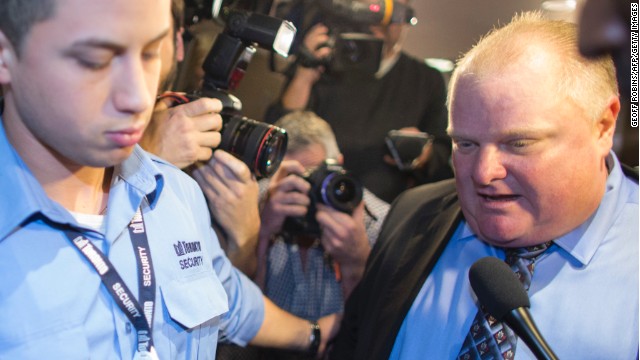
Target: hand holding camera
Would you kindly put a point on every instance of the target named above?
(344, 239)
(232, 195)
(185, 133)
(287, 196)
(315, 46)
(331, 185)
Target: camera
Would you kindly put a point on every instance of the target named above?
(259, 145)
(331, 185)
(354, 48)
(406, 146)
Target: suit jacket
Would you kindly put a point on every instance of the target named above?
(416, 231)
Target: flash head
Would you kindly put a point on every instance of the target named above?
(265, 31)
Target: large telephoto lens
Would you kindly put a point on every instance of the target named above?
(259, 145)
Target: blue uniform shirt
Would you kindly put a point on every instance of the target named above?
(584, 292)
(52, 302)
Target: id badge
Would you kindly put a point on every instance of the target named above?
(146, 355)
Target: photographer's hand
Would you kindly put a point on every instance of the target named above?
(232, 194)
(286, 196)
(296, 95)
(184, 134)
(344, 238)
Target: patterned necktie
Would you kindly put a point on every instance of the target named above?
(488, 338)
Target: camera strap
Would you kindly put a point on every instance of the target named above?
(139, 312)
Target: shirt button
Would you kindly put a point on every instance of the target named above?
(128, 328)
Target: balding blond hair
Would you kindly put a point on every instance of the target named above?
(589, 83)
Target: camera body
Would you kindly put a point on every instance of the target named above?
(259, 145)
(331, 185)
(349, 21)
(406, 146)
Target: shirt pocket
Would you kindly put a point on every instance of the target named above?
(193, 301)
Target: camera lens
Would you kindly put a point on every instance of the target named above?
(341, 191)
(344, 191)
(261, 146)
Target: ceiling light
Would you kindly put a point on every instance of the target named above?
(442, 65)
(559, 5)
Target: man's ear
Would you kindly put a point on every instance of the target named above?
(180, 44)
(605, 125)
(7, 56)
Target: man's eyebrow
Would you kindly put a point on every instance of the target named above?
(110, 45)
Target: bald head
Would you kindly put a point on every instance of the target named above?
(534, 46)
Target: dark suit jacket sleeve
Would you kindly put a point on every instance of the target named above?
(412, 238)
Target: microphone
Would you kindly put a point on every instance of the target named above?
(504, 298)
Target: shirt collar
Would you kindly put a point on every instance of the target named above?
(583, 242)
(23, 196)
(386, 64)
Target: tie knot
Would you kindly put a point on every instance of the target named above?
(528, 253)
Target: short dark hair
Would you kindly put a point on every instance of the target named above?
(18, 16)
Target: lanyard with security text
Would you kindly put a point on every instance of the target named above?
(139, 312)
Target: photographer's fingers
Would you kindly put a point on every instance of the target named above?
(202, 106)
(334, 226)
(341, 231)
(233, 168)
(286, 168)
(317, 41)
(290, 197)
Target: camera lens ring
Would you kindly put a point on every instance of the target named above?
(328, 190)
(271, 151)
(259, 145)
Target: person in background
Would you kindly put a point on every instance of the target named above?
(185, 135)
(362, 107)
(605, 28)
(308, 270)
(93, 230)
(310, 286)
(536, 184)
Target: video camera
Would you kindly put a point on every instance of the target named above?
(259, 145)
(331, 185)
(354, 48)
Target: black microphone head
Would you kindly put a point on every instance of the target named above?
(497, 287)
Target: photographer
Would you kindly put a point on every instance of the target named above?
(185, 135)
(363, 107)
(310, 275)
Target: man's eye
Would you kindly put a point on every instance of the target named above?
(521, 143)
(92, 64)
(151, 55)
(461, 144)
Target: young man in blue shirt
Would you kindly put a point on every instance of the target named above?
(106, 252)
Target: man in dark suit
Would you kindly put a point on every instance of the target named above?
(532, 124)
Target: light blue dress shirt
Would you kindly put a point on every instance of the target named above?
(584, 293)
(52, 303)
